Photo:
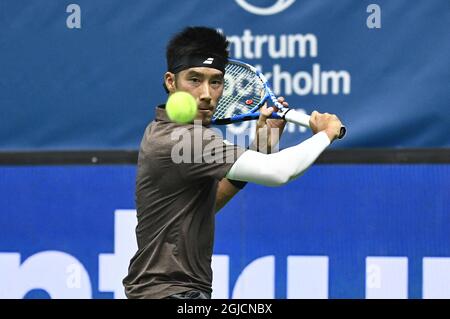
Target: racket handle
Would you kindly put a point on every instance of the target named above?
(303, 119)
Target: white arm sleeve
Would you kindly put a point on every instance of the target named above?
(278, 168)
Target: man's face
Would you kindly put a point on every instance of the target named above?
(205, 85)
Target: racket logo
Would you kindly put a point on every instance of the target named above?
(277, 7)
(208, 61)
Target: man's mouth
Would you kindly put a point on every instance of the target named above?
(206, 108)
(209, 110)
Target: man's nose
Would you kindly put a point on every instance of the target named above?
(205, 94)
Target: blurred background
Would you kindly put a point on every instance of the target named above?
(79, 82)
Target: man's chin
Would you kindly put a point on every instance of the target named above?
(204, 119)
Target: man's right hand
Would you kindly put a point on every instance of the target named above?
(329, 123)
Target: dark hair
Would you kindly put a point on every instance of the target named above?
(196, 40)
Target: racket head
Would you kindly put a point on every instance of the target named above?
(245, 91)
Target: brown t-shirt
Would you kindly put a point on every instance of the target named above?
(179, 168)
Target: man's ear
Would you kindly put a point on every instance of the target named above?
(169, 80)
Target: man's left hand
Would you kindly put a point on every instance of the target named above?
(268, 131)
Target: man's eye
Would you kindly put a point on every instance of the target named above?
(195, 80)
(217, 82)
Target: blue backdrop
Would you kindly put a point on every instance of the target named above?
(87, 76)
(55, 219)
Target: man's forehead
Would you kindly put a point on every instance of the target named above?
(205, 71)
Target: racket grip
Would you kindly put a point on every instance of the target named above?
(302, 119)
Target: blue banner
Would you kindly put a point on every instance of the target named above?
(340, 231)
(87, 75)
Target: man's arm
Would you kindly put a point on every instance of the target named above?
(225, 192)
(279, 168)
(271, 169)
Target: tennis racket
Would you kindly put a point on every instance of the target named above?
(245, 92)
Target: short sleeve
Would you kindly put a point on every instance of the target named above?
(204, 156)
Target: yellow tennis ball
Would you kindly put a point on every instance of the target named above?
(181, 107)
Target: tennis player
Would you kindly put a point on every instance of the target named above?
(176, 202)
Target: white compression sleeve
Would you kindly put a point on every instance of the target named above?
(278, 168)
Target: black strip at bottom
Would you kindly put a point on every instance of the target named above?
(338, 156)
(68, 157)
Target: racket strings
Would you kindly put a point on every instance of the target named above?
(248, 87)
(235, 75)
(240, 75)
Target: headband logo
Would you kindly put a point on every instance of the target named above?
(208, 61)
